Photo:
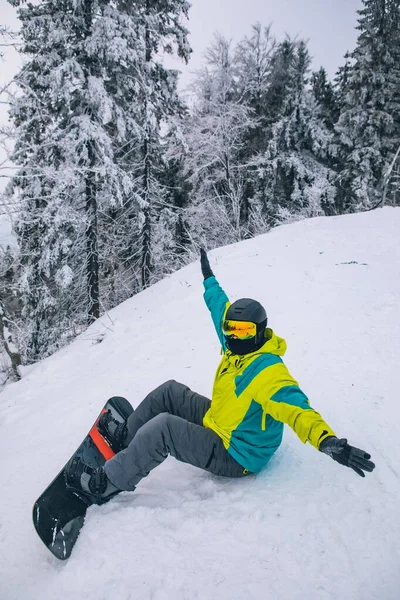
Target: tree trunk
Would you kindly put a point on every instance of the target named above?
(146, 230)
(92, 254)
(91, 242)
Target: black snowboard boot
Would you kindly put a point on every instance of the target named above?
(113, 431)
(90, 484)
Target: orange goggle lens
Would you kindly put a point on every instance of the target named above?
(243, 330)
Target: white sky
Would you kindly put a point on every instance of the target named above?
(329, 26)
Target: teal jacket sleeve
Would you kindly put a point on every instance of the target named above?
(217, 303)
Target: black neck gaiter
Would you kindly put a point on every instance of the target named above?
(241, 346)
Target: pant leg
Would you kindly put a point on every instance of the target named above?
(169, 434)
(170, 397)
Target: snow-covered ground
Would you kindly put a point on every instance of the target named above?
(305, 528)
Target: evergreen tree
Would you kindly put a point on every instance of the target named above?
(91, 100)
(158, 22)
(136, 225)
(178, 191)
(282, 76)
(341, 81)
(294, 169)
(276, 89)
(214, 137)
(369, 124)
(254, 66)
(326, 97)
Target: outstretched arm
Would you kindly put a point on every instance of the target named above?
(282, 398)
(215, 298)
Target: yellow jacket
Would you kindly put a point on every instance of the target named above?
(254, 395)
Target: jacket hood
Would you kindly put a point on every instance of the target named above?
(273, 345)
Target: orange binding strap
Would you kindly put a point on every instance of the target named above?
(100, 442)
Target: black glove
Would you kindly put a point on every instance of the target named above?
(347, 455)
(205, 265)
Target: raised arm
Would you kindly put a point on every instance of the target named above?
(215, 298)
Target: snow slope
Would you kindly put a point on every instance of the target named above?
(305, 528)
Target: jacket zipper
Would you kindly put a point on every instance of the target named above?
(264, 420)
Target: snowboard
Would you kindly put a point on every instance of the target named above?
(59, 513)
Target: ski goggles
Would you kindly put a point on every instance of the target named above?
(242, 330)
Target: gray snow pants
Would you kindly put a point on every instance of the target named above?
(169, 421)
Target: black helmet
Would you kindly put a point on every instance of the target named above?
(247, 309)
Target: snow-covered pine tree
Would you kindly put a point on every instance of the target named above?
(341, 81)
(159, 26)
(369, 124)
(178, 195)
(254, 68)
(296, 180)
(281, 79)
(214, 137)
(81, 127)
(326, 96)
(253, 63)
(136, 230)
(65, 154)
(276, 84)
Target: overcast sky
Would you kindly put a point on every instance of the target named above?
(328, 25)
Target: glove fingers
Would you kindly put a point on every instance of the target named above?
(358, 471)
(360, 453)
(360, 459)
(367, 465)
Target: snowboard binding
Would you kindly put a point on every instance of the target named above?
(91, 485)
(113, 431)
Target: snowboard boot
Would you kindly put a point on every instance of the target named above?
(89, 484)
(113, 431)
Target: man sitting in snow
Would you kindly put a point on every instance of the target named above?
(234, 434)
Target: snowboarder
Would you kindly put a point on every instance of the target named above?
(234, 434)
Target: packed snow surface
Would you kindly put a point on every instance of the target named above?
(305, 528)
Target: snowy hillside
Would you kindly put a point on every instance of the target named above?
(305, 528)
